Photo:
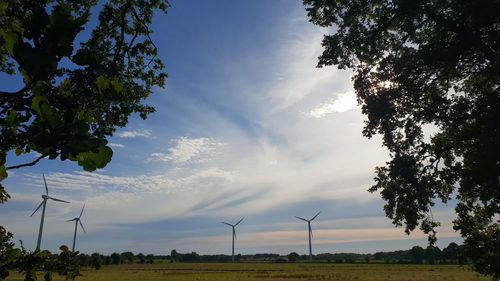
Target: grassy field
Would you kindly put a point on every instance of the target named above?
(271, 272)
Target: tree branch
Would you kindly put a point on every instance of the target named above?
(27, 164)
(148, 32)
(12, 94)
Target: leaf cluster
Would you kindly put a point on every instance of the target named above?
(76, 89)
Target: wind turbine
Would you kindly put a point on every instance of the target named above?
(310, 232)
(45, 197)
(234, 234)
(77, 221)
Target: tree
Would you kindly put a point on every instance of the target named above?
(417, 254)
(96, 261)
(141, 258)
(127, 257)
(74, 97)
(450, 253)
(293, 257)
(116, 258)
(426, 76)
(432, 253)
(175, 256)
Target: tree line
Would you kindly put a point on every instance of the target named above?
(451, 254)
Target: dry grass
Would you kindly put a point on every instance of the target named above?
(277, 272)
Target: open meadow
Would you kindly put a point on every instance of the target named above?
(276, 271)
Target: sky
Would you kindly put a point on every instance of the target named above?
(246, 126)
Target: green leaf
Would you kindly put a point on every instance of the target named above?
(3, 7)
(3, 172)
(11, 39)
(41, 106)
(117, 85)
(4, 196)
(102, 83)
(90, 161)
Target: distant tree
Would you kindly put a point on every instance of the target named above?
(175, 256)
(190, 257)
(116, 258)
(150, 258)
(293, 257)
(107, 260)
(450, 253)
(96, 261)
(84, 259)
(140, 258)
(427, 64)
(75, 90)
(127, 257)
(417, 254)
(432, 254)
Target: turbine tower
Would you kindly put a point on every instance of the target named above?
(77, 221)
(310, 232)
(45, 197)
(234, 234)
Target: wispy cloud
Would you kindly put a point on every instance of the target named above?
(340, 103)
(118, 145)
(135, 133)
(187, 149)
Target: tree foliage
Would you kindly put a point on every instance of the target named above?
(427, 76)
(76, 89)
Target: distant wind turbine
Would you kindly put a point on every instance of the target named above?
(310, 232)
(77, 221)
(234, 234)
(45, 197)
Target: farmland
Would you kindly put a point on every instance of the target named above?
(275, 271)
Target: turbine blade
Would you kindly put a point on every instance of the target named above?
(82, 211)
(58, 200)
(234, 233)
(81, 224)
(71, 220)
(37, 208)
(301, 218)
(315, 216)
(239, 221)
(227, 223)
(46, 188)
(311, 231)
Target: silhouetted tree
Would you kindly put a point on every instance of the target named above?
(127, 257)
(175, 256)
(432, 254)
(293, 257)
(116, 258)
(450, 253)
(421, 64)
(140, 258)
(96, 261)
(417, 254)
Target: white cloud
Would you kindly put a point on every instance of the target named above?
(187, 149)
(118, 145)
(341, 103)
(135, 133)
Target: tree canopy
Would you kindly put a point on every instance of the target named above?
(77, 89)
(427, 76)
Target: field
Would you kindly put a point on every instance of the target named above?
(274, 272)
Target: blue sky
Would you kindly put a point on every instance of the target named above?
(246, 127)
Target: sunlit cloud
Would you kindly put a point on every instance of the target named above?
(117, 145)
(187, 149)
(135, 133)
(340, 103)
